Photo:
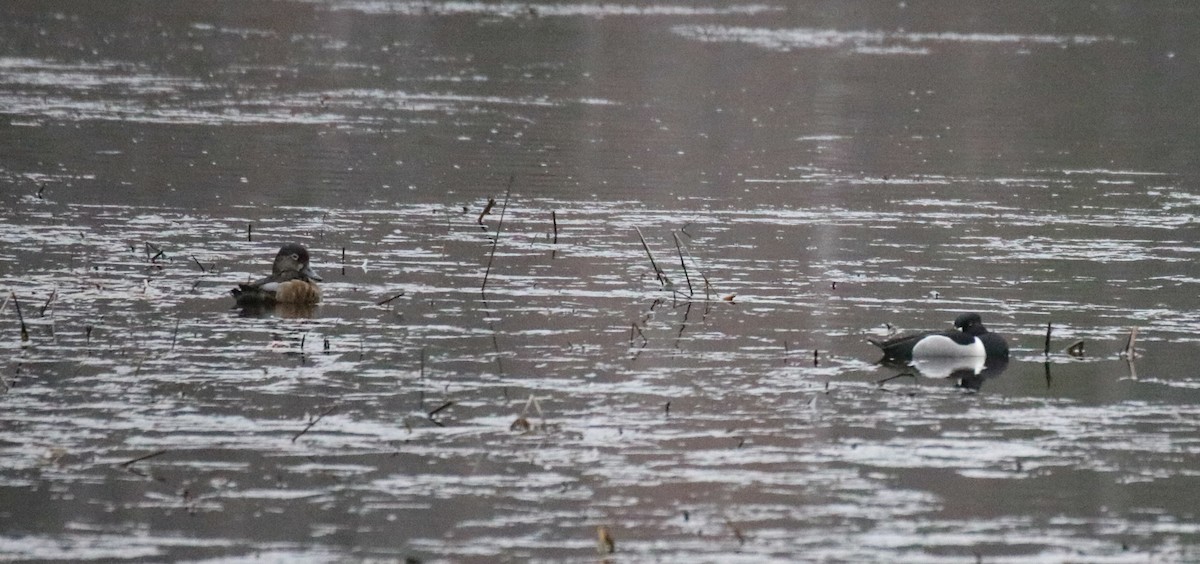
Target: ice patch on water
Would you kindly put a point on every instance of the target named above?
(41, 90)
(870, 42)
(521, 9)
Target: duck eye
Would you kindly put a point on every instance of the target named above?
(295, 256)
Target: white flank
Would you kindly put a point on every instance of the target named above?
(944, 367)
(938, 346)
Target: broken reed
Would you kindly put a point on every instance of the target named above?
(679, 248)
(157, 252)
(1129, 351)
(1076, 349)
(430, 415)
(491, 203)
(314, 422)
(499, 226)
(662, 277)
(386, 301)
(522, 423)
(682, 250)
(439, 408)
(634, 327)
(21, 318)
(49, 300)
(131, 462)
(708, 289)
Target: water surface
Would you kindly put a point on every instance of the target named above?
(834, 171)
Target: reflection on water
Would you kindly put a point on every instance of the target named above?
(966, 373)
(286, 311)
(836, 170)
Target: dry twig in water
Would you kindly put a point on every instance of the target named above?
(437, 410)
(491, 203)
(522, 423)
(1076, 349)
(499, 226)
(314, 422)
(679, 248)
(157, 252)
(1130, 352)
(49, 300)
(658, 272)
(707, 287)
(20, 318)
(635, 327)
(604, 540)
(389, 300)
(175, 334)
(737, 532)
(129, 463)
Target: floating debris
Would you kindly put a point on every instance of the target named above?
(1130, 350)
(1076, 349)
(604, 540)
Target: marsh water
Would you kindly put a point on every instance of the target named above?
(835, 171)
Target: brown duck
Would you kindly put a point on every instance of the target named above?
(292, 281)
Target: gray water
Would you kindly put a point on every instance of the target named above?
(836, 171)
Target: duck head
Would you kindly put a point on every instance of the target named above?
(292, 262)
(970, 323)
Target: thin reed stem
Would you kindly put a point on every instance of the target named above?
(499, 226)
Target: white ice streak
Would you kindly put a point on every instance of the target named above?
(525, 9)
(869, 42)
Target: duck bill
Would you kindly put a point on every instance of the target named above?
(311, 274)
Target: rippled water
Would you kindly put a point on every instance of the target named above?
(833, 171)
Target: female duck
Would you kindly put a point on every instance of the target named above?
(291, 282)
(969, 339)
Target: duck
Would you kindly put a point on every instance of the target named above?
(292, 282)
(968, 339)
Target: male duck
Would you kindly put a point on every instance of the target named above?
(290, 282)
(969, 339)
